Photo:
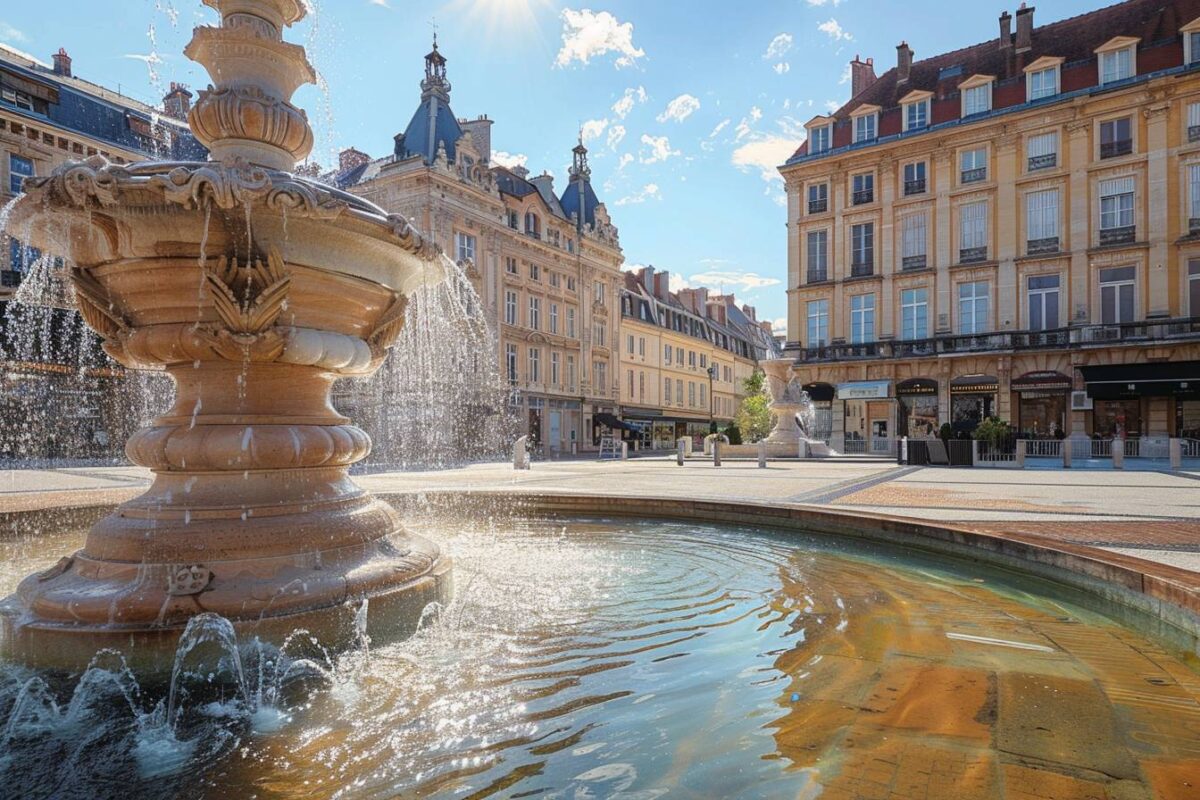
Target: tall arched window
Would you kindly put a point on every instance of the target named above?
(532, 224)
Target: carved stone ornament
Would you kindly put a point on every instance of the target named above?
(250, 297)
(183, 581)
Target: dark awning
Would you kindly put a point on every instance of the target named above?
(1161, 379)
(819, 392)
(610, 421)
(917, 386)
(1041, 382)
(974, 384)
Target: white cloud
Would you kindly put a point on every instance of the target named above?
(680, 108)
(649, 192)
(675, 282)
(509, 160)
(11, 34)
(722, 125)
(834, 3)
(766, 153)
(834, 30)
(592, 129)
(380, 3)
(150, 58)
(782, 68)
(755, 113)
(616, 134)
(660, 149)
(778, 47)
(587, 34)
(628, 100)
(738, 280)
(847, 76)
(625, 161)
(832, 105)
(779, 325)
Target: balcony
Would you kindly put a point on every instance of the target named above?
(1183, 328)
(1043, 162)
(817, 276)
(1194, 133)
(1193, 226)
(1122, 235)
(818, 206)
(863, 196)
(974, 175)
(914, 187)
(972, 255)
(1040, 247)
(1122, 147)
(862, 269)
(913, 262)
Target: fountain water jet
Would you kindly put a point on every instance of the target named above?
(793, 412)
(254, 290)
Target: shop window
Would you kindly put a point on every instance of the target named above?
(1117, 419)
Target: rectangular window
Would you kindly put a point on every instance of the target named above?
(535, 365)
(914, 314)
(571, 373)
(679, 356)
(862, 249)
(1193, 47)
(510, 308)
(641, 387)
(535, 272)
(818, 323)
(570, 284)
(1116, 65)
(554, 318)
(1117, 295)
(818, 198)
(629, 383)
(973, 235)
(703, 395)
(1193, 121)
(1042, 150)
(1043, 302)
(1116, 137)
(553, 278)
(599, 335)
(679, 391)
(916, 115)
(510, 361)
(692, 393)
(1194, 198)
(862, 318)
(642, 346)
(666, 391)
(977, 100)
(18, 170)
(629, 344)
(535, 313)
(703, 361)
(973, 307)
(571, 323)
(554, 374)
(819, 139)
(912, 241)
(974, 165)
(1041, 219)
(465, 244)
(692, 359)
(600, 376)
(1194, 287)
(598, 292)
(864, 128)
(864, 189)
(1043, 83)
(667, 351)
(510, 265)
(914, 178)
(818, 256)
(1116, 211)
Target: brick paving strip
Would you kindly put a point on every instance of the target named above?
(1180, 535)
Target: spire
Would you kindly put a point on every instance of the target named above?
(579, 168)
(435, 83)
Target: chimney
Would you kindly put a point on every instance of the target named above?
(1024, 28)
(751, 312)
(350, 158)
(481, 133)
(862, 75)
(1005, 31)
(662, 285)
(62, 63)
(904, 56)
(645, 277)
(520, 172)
(544, 180)
(178, 102)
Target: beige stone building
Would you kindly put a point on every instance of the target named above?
(684, 359)
(546, 264)
(1009, 229)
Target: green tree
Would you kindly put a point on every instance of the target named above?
(754, 414)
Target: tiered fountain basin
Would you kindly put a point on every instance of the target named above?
(255, 290)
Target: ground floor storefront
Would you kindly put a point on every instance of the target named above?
(655, 430)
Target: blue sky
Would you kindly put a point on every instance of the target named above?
(688, 105)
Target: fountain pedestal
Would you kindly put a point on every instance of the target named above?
(255, 290)
(789, 404)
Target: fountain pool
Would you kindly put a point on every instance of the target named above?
(638, 659)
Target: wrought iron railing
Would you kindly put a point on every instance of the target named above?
(914, 186)
(863, 196)
(974, 175)
(862, 269)
(818, 206)
(1122, 147)
(913, 262)
(1194, 133)
(972, 255)
(817, 276)
(1037, 247)
(1123, 235)
(1043, 162)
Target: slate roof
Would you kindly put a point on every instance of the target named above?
(571, 201)
(97, 112)
(432, 124)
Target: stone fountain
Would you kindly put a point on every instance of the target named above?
(793, 413)
(255, 290)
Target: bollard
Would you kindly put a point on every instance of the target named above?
(1020, 454)
(1176, 449)
(716, 453)
(521, 453)
(1067, 447)
(679, 452)
(1118, 453)
(903, 449)
(624, 451)
(762, 454)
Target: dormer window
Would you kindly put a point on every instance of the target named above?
(1191, 42)
(1118, 59)
(915, 107)
(866, 123)
(976, 94)
(532, 225)
(818, 139)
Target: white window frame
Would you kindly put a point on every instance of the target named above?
(1192, 286)
(860, 234)
(914, 304)
(535, 313)
(535, 365)
(820, 238)
(1041, 215)
(1121, 210)
(464, 246)
(1036, 88)
(820, 139)
(817, 312)
(911, 109)
(17, 176)
(914, 238)
(1191, 53)
(862, 318)
(1042, 296)
(973, 225)
(570, 322)
(1041, 144)
(1119, 287)
(1121, 62)
(511, 303)
(1193, 173)
(977, 99)
(510, 357)
(866, 127)
(974, 307)
(554, 368)
(554, 318)
(978, 157)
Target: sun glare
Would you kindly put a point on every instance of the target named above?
(501, 16)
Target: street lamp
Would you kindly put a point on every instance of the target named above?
(712, 373)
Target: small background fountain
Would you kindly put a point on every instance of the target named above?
(254, 290)
(794, 415)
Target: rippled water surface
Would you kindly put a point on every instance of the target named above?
(622, 659)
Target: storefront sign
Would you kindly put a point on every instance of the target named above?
(1042, 382)
(863, 390)
(974, 384)
(917, 386)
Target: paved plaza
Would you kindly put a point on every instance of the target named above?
(1152, 515)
